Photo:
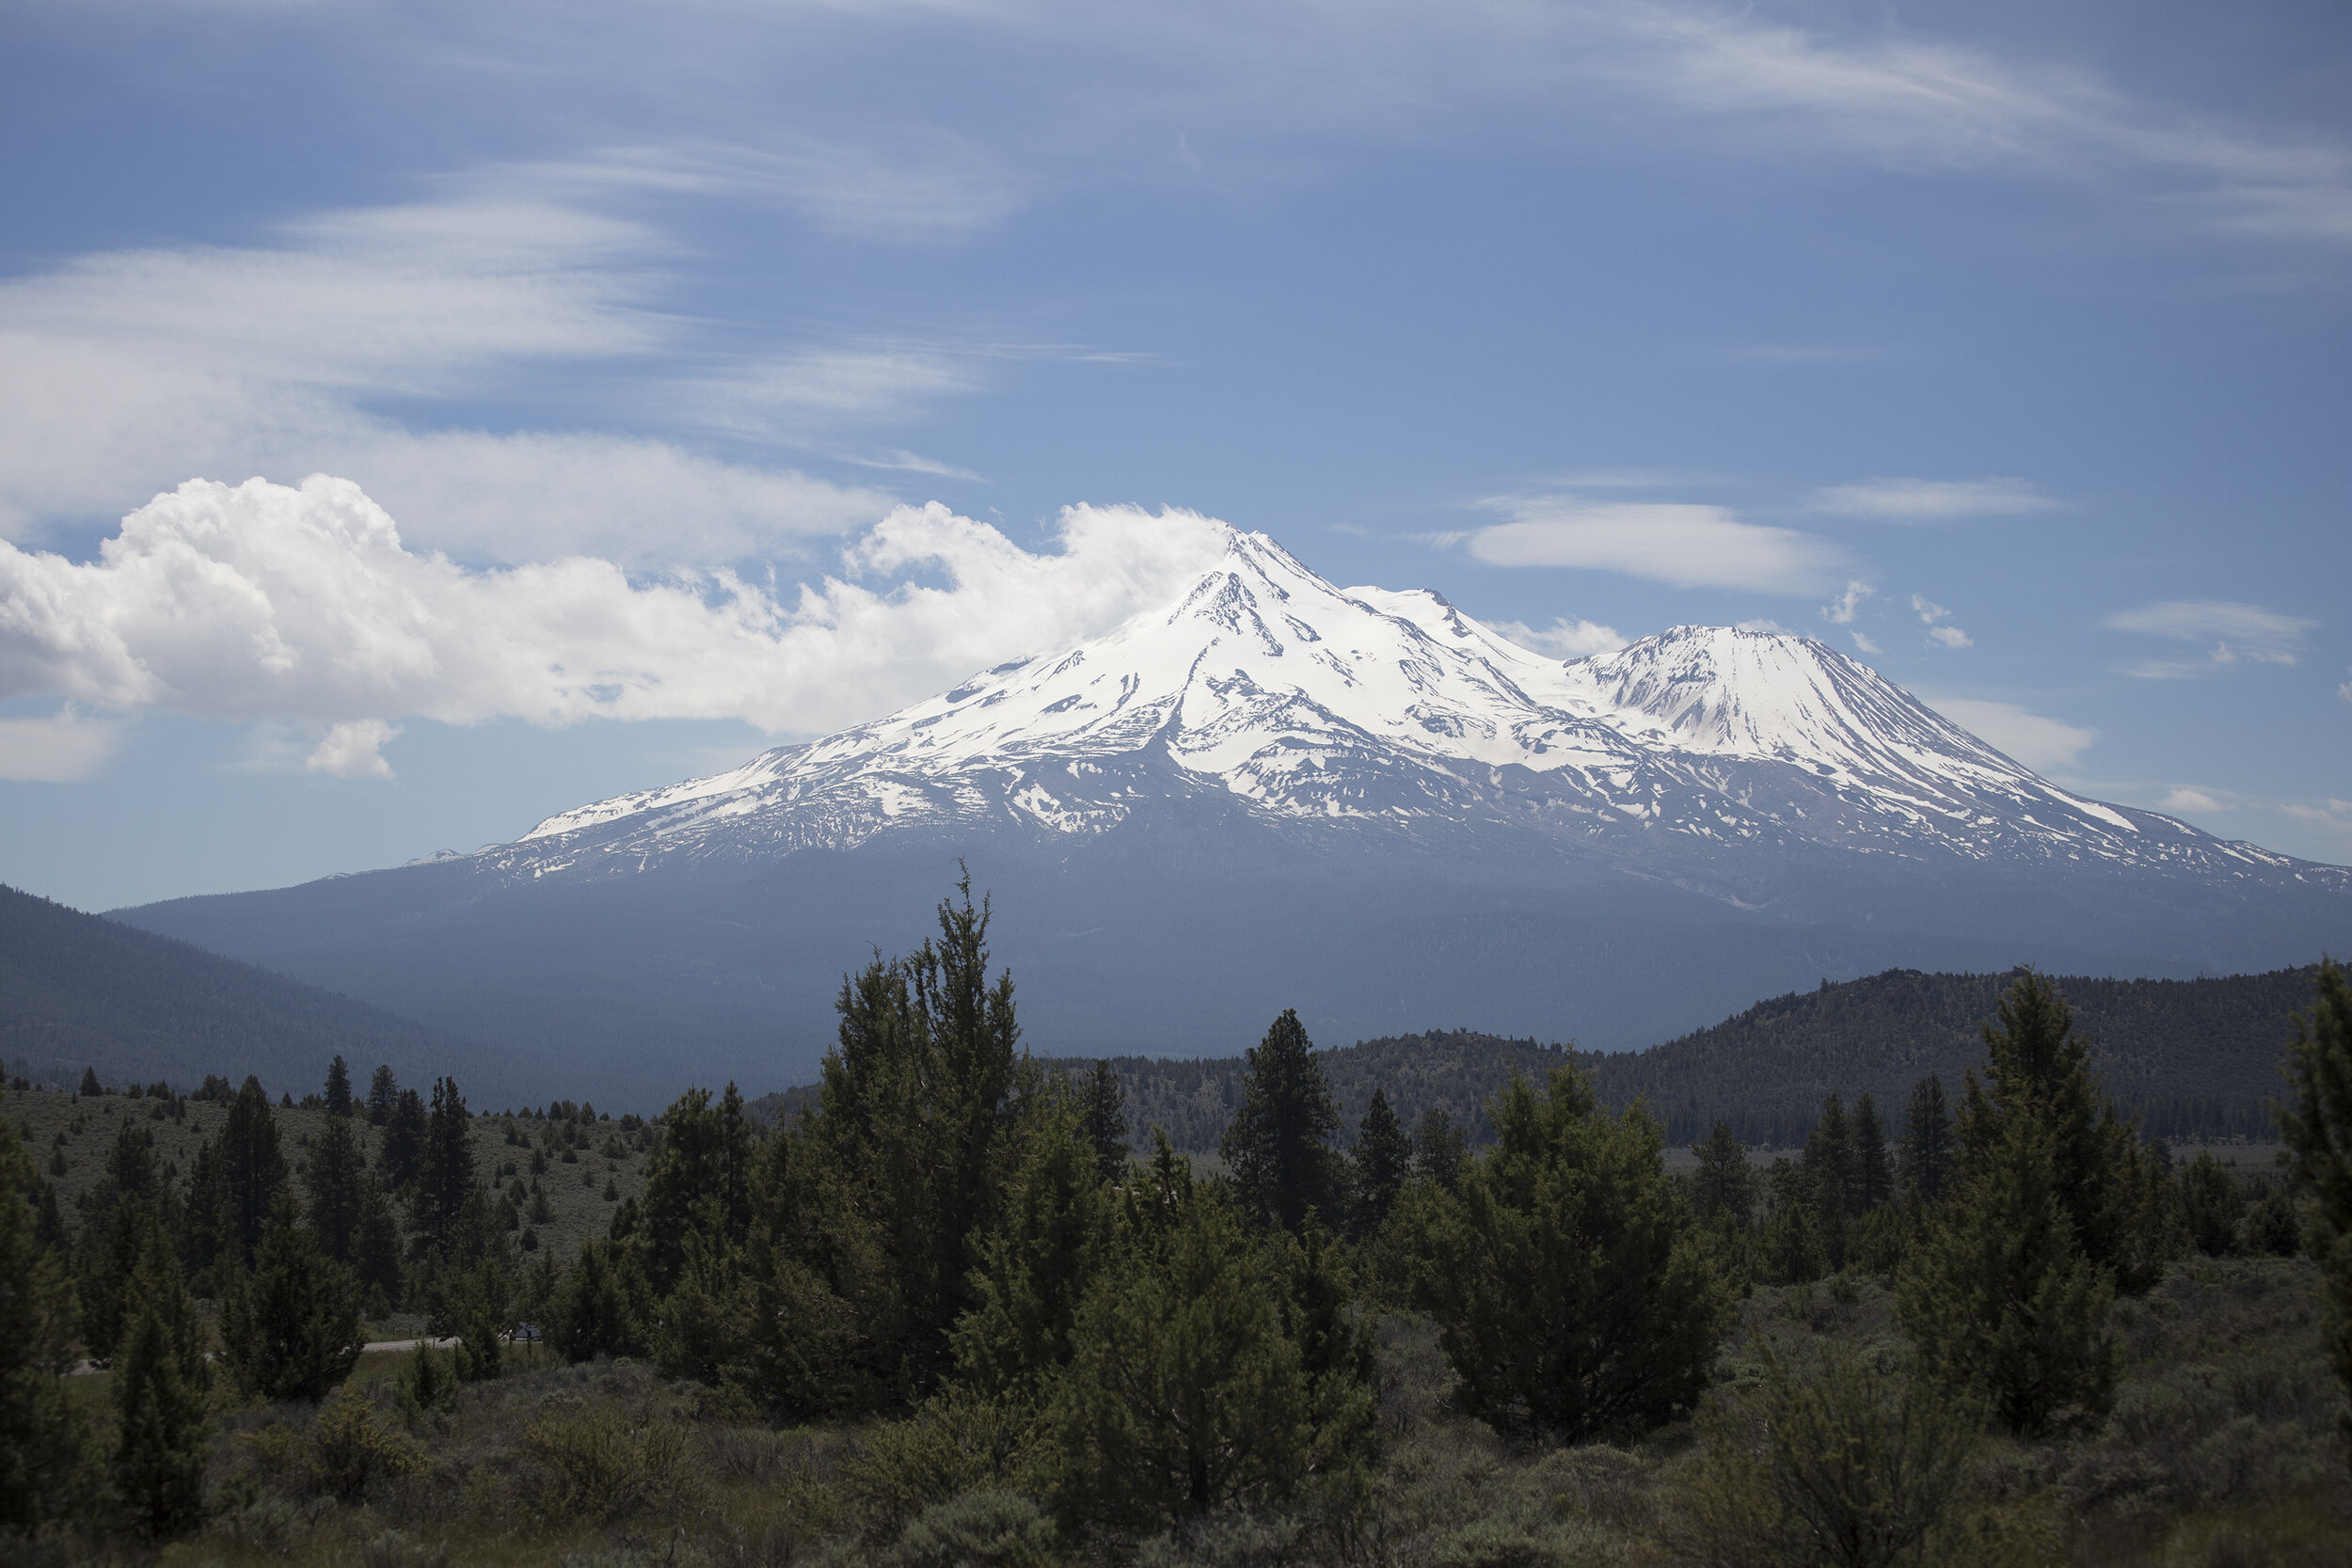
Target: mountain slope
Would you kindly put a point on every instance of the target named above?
(77, 990)
(1276, 792)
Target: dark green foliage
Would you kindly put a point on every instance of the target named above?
(1184, 1393)
(90, 1086)
(2000, 1297)
(2040, 1071)
(376, 1250)
(1873, 1172)
(1830, 1178)
(1380, 1161)
(1927, 1141)
(1034, 1264)
(1104, 1106)
(699, 1184)
(602, 1306)
(1439, 1147)
(1563, 1276)
(1724, 1185)
(159, 1391)
(1278, 1147)
(338, 1088)
(2209, 1204)
(445, 1168)
(252, 1168)
(42, 1436)
(2317, 1129)
(335, 1175)
(2273, 1229)
(129, 1207)
(289, 1328)
(382, 1091)
(402, 1156)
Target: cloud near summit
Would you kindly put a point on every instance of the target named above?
(261, 601)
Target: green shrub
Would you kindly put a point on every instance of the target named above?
(590, 1463)
(348, 1448)
(979, 1529)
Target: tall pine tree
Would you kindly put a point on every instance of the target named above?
(2317, 1129)
(338, 1088)
(445, 1167)
(1927, 1141)
(334, 1175)
(289, 1327)
(1103, 1106)
(160, 1382)
(1724, 1186)
(1278, 1147)
(1381, 1159)
(252, 1164)
(43, 1477)
(1874, 1174)
(382, 1091)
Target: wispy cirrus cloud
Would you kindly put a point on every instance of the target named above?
(2038, 740)
(1568, 636)
(2232, 631)
(1937, 620)
(1933, 500)
(1679, 544)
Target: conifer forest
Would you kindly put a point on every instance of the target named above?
(957, 1305)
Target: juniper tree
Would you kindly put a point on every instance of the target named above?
(334, 1176)
(1927, 1141)
(698, 1183)
(1723, 1184)
(338, 1088)
(160, 1381)
(1439, 1147)
(252, 1166)
(1278, 1146)
(1570, 1296)
(1103, 1104)
(1381, 1158)
(2317, 1130)
(289, 1328)
(383, 1090)
(1034, 1264)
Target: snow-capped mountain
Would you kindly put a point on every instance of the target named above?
(1273, 792)
(1390, 712)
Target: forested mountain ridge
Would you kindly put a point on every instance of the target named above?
(79, 990)
(2191, 1058)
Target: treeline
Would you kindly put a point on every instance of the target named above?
(1084, 1344)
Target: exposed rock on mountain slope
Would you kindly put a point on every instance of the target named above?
(1278, 792)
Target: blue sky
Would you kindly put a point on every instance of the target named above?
(683, 378)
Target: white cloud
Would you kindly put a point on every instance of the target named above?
(123, 373)
(265, 602)
(2040, 742)
(1685, 546)
(1840, 610)
(1864, 645)
(1930, 615)
(2185, 797)
(353, 750)
(63, 748)
(2344, 691)
(2239, 634)
(1950, 637)
(1929, 500)
(1565, 638)
(1761, 624)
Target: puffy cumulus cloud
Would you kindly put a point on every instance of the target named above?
(2233, 633)
(1681, 544)
(60, 747)
(1933, 500)
(2038, 741)
(1565, 638)
(1937, 620)
(2187, 798)
(259, 601)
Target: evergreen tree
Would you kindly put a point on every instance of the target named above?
(2040, 1071)
(1570, 1294)
(1873, 1174)
(602, 1306)
(1829, 1177)
(1278, 1146)
(90, 1087)
(1103, 1104)
(338, 1088)
(2000, 1297)
(289, 1328)
(402, 1157)
(252, 1166)
(42, 1433)
(1926, 1142)
(1382, 1158)
(2317, 1130)
(335, 1175)
(159, 1387)
(382, 1091)
(1183, 1395)
(2209, 1204)
(1722, 1184)
(376, 1250)
(119, 1216)
(1440, 1148)
(698, 1184)
(1033, 1268)
(445, 1167)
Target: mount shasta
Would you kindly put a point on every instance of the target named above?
(1278, 793)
